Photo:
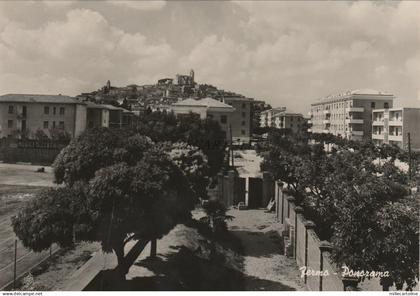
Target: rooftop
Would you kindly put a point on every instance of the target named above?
(350, 93)
(206, 102)
(35, 98)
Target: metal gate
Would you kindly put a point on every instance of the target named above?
(255, 192)
(239, 193)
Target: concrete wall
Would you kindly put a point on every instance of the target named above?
(32, 151)
(302, 243)
(411, 124)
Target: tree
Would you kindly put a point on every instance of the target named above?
(118, 186)
(192, 161)
(205, 134)
(362, 206)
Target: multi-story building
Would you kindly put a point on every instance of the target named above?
(266, 117)
(349, 114)
(207, 108)
(289, 120)
(23, 115)
(97, 115)
(240, 119)
(391, 126)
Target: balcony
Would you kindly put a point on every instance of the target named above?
(326, 121)
(355, 133)
(355, 109)
(395, 138)
(354, 121)
(309, 130)
(378, 122)
(326, 112)
(377, 136)
(326, 131)
(395, 122)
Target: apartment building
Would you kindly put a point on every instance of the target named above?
(391, 126)
(240, 118)
(349, 114)
(207, 108)
(26, 114)
(289, 120)
(266, 116)
(97, 115)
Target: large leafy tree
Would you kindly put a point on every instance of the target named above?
(361, 205)
(118, 186)
(206, 134)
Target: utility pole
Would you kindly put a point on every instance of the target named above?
(409, 155)
(14, 266)
(231, 145)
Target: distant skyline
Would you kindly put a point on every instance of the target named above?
(286, 53)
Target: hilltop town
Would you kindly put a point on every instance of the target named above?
(157, 96)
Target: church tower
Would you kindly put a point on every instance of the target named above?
(192, 76)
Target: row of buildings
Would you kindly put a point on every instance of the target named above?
(366, 114)
(283, 119)
(27, 114)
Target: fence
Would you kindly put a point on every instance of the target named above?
(302, 243)
(20, 262)
(42, 152)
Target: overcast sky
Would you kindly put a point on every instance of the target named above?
(287, 53)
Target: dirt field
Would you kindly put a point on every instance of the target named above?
(25, 175)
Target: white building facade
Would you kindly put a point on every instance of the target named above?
(348, 115)
(392, 126)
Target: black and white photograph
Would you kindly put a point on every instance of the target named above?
(210, 146)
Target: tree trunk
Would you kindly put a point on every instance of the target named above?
(121, 268)
(153, 248)
(385, 288)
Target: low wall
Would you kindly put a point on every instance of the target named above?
(41, 152)
(303, 244)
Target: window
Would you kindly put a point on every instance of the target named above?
(53, 124)
(291, 118)
(10, 109)
(23, 125)
(291, 125)
(223, 119)
(45, 124)
(386, 105)
(243, 122)
(210, 116)
(54, 110)
(10, 123)
(61, 110)
(243, 132)
(243, 105)
(46, 110)
(372, 105)
(61, 125)
(24, 110)
(243, 114)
